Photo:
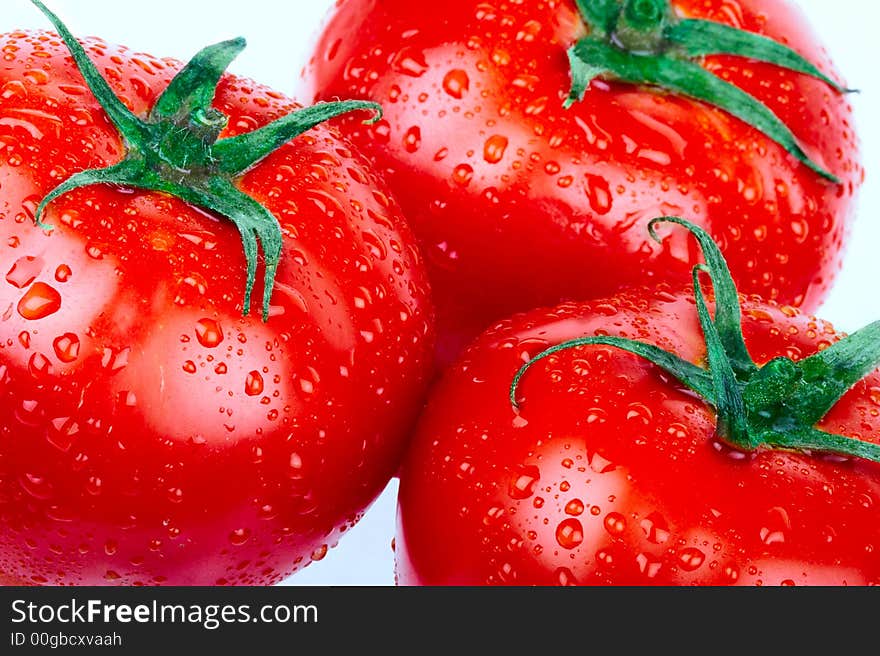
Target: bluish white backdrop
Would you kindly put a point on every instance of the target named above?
(279, 36)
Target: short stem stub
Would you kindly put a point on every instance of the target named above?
(177, 149)
(640, 25)
(644, 42)
(776, 405)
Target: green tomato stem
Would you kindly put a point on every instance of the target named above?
(643, 42)
(773, 406)
(176, 149)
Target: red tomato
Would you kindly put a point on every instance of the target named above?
(613, 472)
(149, 432)
(519, 202)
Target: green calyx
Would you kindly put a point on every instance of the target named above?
(645, 42)
(777, 405)
(176, 149)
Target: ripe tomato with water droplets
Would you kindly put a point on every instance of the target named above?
(519, 202)
(610, 475)
(149, 432)
(609, 470)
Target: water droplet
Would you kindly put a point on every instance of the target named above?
(771, 537)
(462, 175)
(66, 347)
(691, 559)
(655, 528)
(409, 61)
(29, 412)
(522, 484)
(209, 333)
(574, 507)
(267, 511)
(615, 523)
(37, 76)
(39, 302)
(501, 57)
(493, 149)
(189, 289)
(375, 244)
(115, 360)
(13, 89)
(456, 83)
(111, 547)
(569, 533)
(605, 557)
(295, 466)
(319, 553)
(564, 577)
(601, 465)
(127, 399)
(412, 139)
(648, 565)
(62, 431)
(253, 384)
(189, 367)
(39, 366)
(24, 271)
(239, 536)
(381, 131)
(598, 193)
(35, 485)
(639, 412)
(778, 522)
(95, 251)
(731, 573)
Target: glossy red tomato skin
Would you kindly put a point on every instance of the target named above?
(149, 433)
(611, 473)
(519, 203)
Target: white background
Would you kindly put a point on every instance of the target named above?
(279, 35)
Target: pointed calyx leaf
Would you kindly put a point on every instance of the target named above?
(698, 38)
(177, 149)
(124, 174)
(729, 403)
(644, 42)
(728, 312)
(254, 222)
(776, 405)
(194, 86)
(831, 373)
(695, 378)
(237, 154)
(130, 126)
(813, 439)
(582, 74)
